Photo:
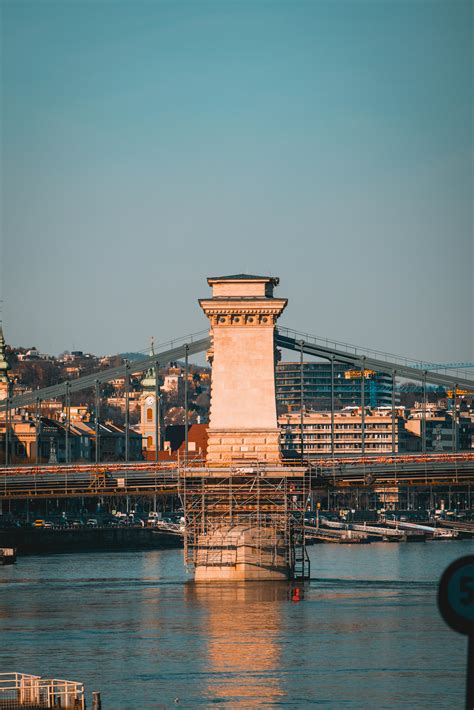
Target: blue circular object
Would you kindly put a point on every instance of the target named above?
(456, 595)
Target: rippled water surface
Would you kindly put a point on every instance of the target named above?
(132, 625)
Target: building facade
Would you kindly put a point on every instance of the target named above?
(317, 386)
(150, 411)
(382, 434)
(439, 430)
(45, 441)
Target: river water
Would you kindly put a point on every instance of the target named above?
(366, 635)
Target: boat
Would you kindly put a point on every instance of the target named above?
(7, 555)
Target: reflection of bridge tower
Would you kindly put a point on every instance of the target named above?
(237, 646)
(244, 511)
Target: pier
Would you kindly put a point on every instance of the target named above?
(20, 691)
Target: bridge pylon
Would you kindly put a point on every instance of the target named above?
(245, 509)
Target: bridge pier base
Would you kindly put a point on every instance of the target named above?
(244, 523)
(242, 552)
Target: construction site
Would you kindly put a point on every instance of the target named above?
(245, 522)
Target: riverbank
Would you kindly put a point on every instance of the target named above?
(35, 541)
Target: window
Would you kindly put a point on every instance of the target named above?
(149, 414)
(149, 440)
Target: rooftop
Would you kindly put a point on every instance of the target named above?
(244, 277)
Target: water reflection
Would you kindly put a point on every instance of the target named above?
(367, 634)
(243, 653)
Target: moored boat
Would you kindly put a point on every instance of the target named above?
(7, 555)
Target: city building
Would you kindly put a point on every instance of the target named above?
(175, 443)
(317, 386)
(119, 401)
(72, 371)
(51, 440)
(31, 354)
(46, 440)
(380, 437)
(173, 380)
(439, 429)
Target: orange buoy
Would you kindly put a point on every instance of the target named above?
(296, 595)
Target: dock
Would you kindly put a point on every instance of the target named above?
(379, 532)
(338, 531)
(433, 532)
(22, 690)
(464, 529)
(29, 541)
(335, 535)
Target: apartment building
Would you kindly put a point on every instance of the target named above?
(439, 429)
(382, 433)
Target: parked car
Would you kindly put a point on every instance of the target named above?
(38, 523)
(92, 523)
(61, 523)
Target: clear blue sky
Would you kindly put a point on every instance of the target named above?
(147, 145)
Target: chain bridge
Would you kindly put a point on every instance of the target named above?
(243, 446)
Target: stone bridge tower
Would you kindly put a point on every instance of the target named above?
(243, 419)
(244, 509)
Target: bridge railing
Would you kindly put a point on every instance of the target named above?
(163, 470)
(176, 342)
(66, 483)
(359, 351)
(189, 344)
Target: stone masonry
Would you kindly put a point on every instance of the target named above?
(243, 422)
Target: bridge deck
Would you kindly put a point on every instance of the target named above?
(150, 478)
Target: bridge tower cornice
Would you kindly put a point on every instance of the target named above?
(234, 312)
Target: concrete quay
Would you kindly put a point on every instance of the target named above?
(31, 541)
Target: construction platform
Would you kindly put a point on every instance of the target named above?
(245, 522)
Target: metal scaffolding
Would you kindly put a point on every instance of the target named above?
(268, 503)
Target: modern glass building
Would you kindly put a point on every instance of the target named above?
(317, 386)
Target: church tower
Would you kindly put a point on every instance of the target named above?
(148, 408)
(4, 367)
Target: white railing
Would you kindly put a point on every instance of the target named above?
(24, 690)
